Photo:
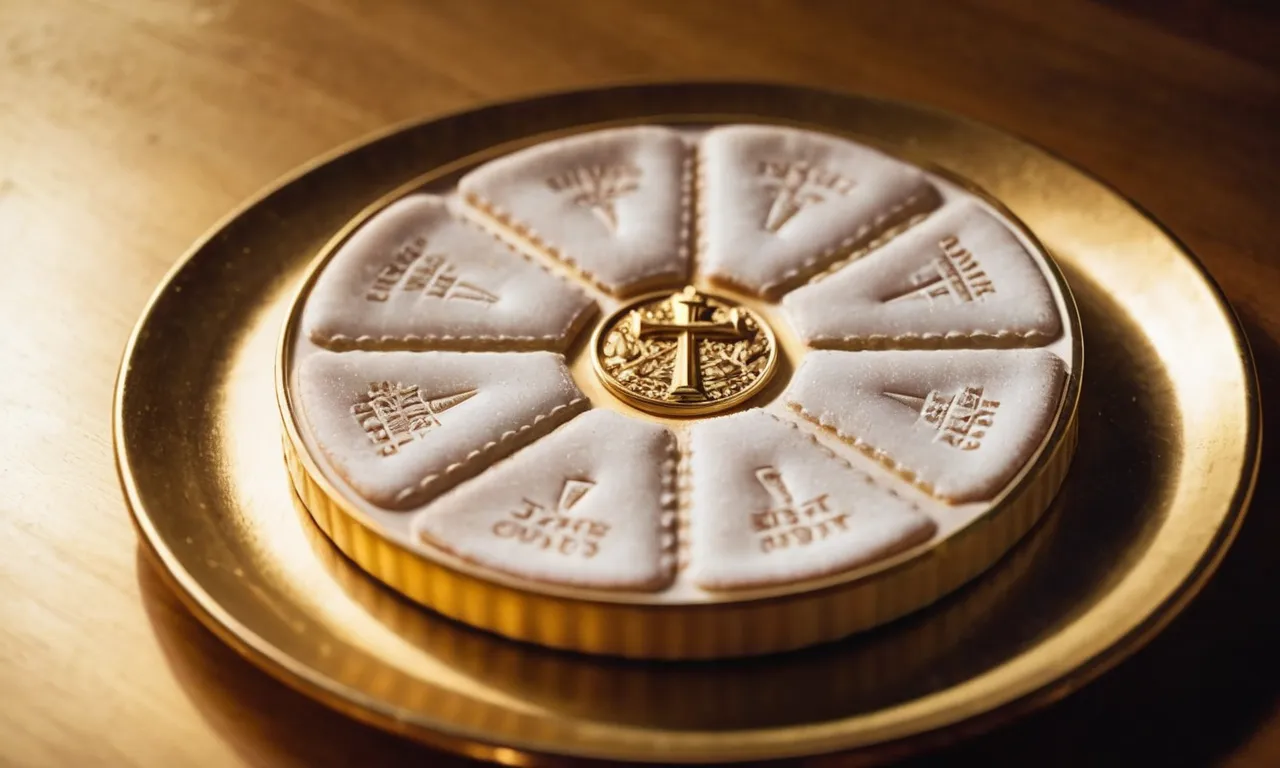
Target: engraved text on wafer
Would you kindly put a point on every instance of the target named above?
(412, 269)
(598, 187)
(954, 275)
(786, 522)
(797, 185)
(960, 420)
(554, 529)
(394, 414)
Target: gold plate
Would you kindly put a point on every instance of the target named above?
(1169, 446)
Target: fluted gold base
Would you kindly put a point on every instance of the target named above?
(717, 630)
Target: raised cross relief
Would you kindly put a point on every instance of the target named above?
(797, 185)
(432, 275)
(955, 274)
(684, 353)
(395, 414)
(688, 327)
(959, 420)
(597, 188)
(787, 522)
(555, 529)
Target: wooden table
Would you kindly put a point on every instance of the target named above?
(128, 128)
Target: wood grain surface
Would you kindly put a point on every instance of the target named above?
(128, 128)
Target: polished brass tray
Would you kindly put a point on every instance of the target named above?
(1168, 452)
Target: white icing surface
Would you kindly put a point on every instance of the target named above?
(415, 276)
(958, 423)
(592, 504)
(959, 278)
(613, 204)
(444, 417)
(961, 495)
(781, 204)
(770, 505)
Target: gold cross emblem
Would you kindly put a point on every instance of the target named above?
(684, 354)
(687, 327)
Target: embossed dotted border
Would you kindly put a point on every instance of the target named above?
(557, 342)
(687, 478)
(574, 407)
(533, 239)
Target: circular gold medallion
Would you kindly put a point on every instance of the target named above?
(686, 353)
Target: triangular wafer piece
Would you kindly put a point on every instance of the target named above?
(590, 505)
(779, 205)
(960, 278)
(417, 277)
(770, 505)
(612, 204)
(401, 427)
(957, 424)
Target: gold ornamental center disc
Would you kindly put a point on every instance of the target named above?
(686, 353)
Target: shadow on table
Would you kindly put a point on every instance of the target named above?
(1203, 687)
